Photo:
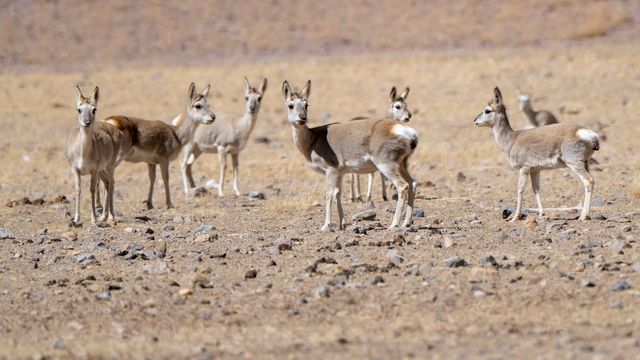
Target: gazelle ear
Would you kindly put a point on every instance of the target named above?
(263, 88)
(192, 91)
(306, 91)
(79, 95)
(392, 94)
(207, 91)
(246, 86)
(498, 95)
(405, 94)
(286, 90)
(95, 96)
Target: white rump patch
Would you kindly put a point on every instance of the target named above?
(588, 135)
(403, 130)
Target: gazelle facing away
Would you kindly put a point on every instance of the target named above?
(157, 143)
(92, 149)
(361, 147)
(548, 147)
(398, 110)
(228, 135)
(535, 118)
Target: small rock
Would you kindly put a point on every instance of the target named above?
(156, 267)
(204, 228)
(567, 234)
(447, 242)
(69, 236)
(621, 286)
(488, 260)
(418, 213)
(340, 280)
(185, 292)
(461, 177)
(377, 280)
(368, 215)
(256, 195)
(455, 262)
(285, 245)
(203, 238)
(85, 258)
(105, 295)
(587, 283)
(395, 257)
(294, 312)
(251, 274)
(322, 291)
(211, 184)
(598, 202)
(6, 234)
(616, 246)
(352, 243)
(58, 344)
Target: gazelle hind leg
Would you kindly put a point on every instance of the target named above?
(393, 173)
(78, 187)
(522, 183)
(369, 186)
(151, 168)
(222, 159)
(410, 197)
(384, 188)
(92, 190)
(164, 171)
(107, 185)
(535, 186)
(234, 165)
(582, 171)
(331, 183)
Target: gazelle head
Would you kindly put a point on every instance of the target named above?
(494, 110)
(398, 108)
(198, 108)
(524, 99)
(296, 103)
(86, 107)
(253, 96)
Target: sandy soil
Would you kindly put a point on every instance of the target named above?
(153, 287)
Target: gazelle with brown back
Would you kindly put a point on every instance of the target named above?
(397, 110)
(92, 149)
(227, 136)
(548, 147)
(157, 143)
(361, 147)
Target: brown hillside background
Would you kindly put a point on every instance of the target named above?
(67, 33)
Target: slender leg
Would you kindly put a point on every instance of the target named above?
(522, 183)
(112, 215)
(222, 159)
(411, 196)
(107, 185)
(92, 190)
(393, 173)
(331, 181)
(78, 188)
(234, 166)
(535, 185)
(99, 207)
(352, 195)
(152, 181)
(195, 153)
(358, 195)
(185, 168)
(164, 171)
(384, 188)
(582, 171)
(337, 194)
(369, 186)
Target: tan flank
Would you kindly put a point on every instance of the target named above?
(548, 147)
(361, 147)
(92, 149)
(157, 143)
(397, 110)
(227, 136)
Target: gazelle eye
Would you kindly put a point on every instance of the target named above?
(79, 110)
(487, 111)
(259, 98)
(290, 106)
(198, 106)
(93, 111)
(398, 107)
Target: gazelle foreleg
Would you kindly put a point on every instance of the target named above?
(522, 183)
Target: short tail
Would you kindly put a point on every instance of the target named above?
(591, 137)
(409, 133)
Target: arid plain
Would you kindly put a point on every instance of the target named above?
(158, 284)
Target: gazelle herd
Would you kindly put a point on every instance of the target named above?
(359, 146)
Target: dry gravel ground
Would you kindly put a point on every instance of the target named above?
(263, 282)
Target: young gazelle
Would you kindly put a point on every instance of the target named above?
(548, 147)
(398, 110)
(535, 118)
(157, 143)
(92, 149)
(228, 135)
(362, 147)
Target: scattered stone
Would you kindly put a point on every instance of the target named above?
(285, 245)
(218, 256)
(58, 344)
(203, 238)
(567, 234)
(114, 287)
(488, 260)
(352, 243)
(461, 177)
(600, 217)
(395, 258)
(156, 267)
(6, 234)
(621, 285)
(340, 280)
(86, 259)
(418, 213)
(204, 228)
(368, 215)
(256, 195)
(598, 202)
(142, 218)
(105, 295)
(185, 292)
(456, 261)
(251, 274)
(69, 236)
(447, 242)
(322, 291)
(616, 246)
(199, 191)
(377, 280)
(587, 283)
(356, 229)
(294, 312)
(636, 266)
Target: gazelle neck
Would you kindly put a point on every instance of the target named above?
(529, 113)
(85, 138)
(186, 128)
(503, 133)
(303, 138)
(247, 122)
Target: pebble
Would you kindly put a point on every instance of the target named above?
(598, 202)
(251, 274)
(616, 246)
(322, 291)
(567, 234)
(587, 283)
(447, 242)
(58, 344)
(294, 312)
(86, 258)
(488, 260)
(456, 261)
(600, 217)
(285, 245)
(185, 292)
(203, 238)
(377, 280)
(368, 215)
(418, 213)
(340, 280)
(6, 234)
(156, 267)
(395, 257)
(621, 286)
(105, 295)
(204, 228)
(256, 195)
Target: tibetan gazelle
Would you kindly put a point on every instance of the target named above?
(92, 149)
(361, 147)
(535, 118)
(227, 136)
(397, 110)
(157, 143)
(548, 147)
